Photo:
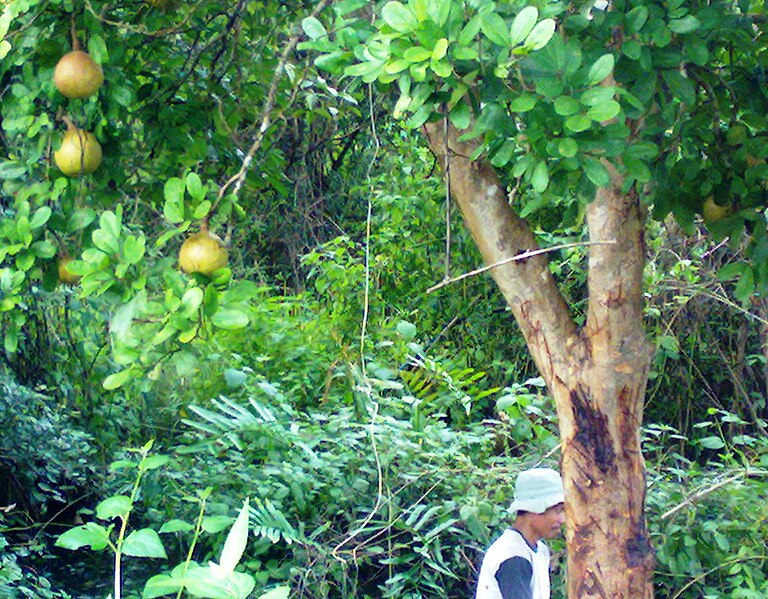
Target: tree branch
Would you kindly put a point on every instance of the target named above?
(501, 235)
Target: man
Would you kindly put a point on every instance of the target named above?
(516, 565)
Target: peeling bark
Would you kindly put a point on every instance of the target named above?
(597, 374)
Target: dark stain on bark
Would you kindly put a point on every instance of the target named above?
(638, 549)
(592, 432)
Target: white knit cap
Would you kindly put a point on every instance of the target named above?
(537, 490)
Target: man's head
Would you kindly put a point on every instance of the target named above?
(539, 501)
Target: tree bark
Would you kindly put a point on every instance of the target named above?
(597, 373)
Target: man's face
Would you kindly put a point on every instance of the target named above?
(550, 523)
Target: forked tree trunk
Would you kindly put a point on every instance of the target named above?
(596, 373)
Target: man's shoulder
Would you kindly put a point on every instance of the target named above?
(510, 544)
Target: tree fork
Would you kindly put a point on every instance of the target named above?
(597, 374)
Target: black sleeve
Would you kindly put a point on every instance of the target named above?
(514, 577)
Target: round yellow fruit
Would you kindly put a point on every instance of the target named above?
(80, 153)
(65, 276)
(713, 211)
(77, 75)
(203, 252)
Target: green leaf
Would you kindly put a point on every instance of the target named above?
(40, 217)
(277, 593)
(230, 319)
(566, 106)
(176, 525)
(523, 24)
(439, 10)
(578, 123)
(540, 177)
(638, 170)
(568, 147)
(601, 68)
(494, 28)
(161, 585)
(441, 68)
(12, 169)
(681, 87)
(97, 48)
(173, 209)
(688, 24)
(191, 301)
(105, 241)
(636, 18)
(460, 116)
(88, 535)
(236, 541)
(133, 249)
(195, 187)
(211, 583)
(470, 30)
(144, 543)
(440, 49)
(118, 379)
(44, 249)
(504, 154)
(540, 35)
(399, 17)
(313, 28)
(114, 507)
(596, 172)
(631, 49)
(604, 111)
(367, 71)
(406, 330)
(712, 443)
(153, 462)
(417, 54)
(214, 524)
(523, 103)
(745, 287)
(732, 271)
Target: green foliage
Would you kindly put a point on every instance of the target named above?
(395, 497)
(709, 526)
(45, 459)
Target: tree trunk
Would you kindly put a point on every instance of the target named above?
(596, 374)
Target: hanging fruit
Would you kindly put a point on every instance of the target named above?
(203, 252)
(80, 152)
(76, 74)
(65, 276)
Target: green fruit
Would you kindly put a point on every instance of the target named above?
(204, 253)
(77, 75)
(80, 153)
(65, 276)
(713, 211)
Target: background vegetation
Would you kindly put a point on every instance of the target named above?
(376, 426)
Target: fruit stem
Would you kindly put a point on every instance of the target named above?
(68, 121)
(75, 41)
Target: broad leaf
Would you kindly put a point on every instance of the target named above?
(237, 538)
(88, 535)
(540, 35)
(494, 28)
(399, 17)
(313, 28)
(523, 24)
(144, 543)
(114, 507)
(601, 68)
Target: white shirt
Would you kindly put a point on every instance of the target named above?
(509, 545)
